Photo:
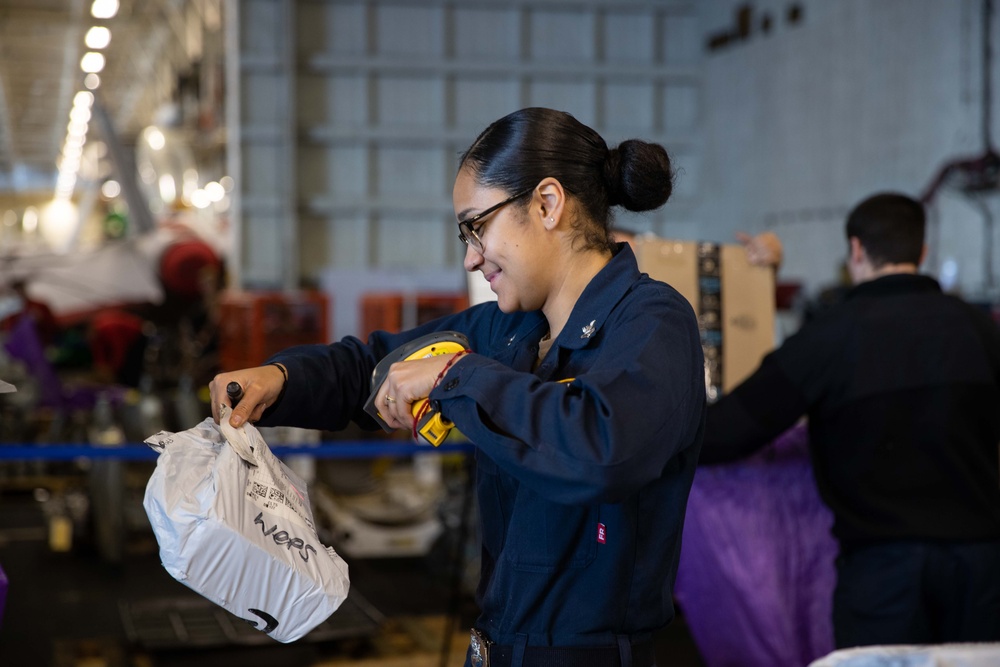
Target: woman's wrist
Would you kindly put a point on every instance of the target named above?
(284, 374)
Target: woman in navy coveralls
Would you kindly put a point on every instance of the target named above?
(584, 395)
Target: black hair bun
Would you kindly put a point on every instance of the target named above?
(639, 175)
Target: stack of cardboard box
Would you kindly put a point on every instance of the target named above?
(733, 299)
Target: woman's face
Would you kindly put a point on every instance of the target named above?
(513, 259)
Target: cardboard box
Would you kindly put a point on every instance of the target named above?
(733, 299)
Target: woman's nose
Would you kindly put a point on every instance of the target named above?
(473, 259)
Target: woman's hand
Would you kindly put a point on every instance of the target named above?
(261, 388)
(407, 383)
(764, 249)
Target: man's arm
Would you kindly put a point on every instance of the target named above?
(758, 410)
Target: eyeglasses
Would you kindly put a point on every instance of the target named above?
(469, 235)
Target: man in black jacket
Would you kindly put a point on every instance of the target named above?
(901, 387)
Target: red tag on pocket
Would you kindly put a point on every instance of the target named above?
(601, 533)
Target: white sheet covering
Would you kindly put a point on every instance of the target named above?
(936, 655)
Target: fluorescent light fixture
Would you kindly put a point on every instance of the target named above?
(168, 188)
(59, 221)
(77, 128)
(154, 137)
(215, 191)
(79, 114)
(92, 62)
(200, 199)
(97, 37)
(84, 98)
(104, 9)
(111, 189)
(29, 221)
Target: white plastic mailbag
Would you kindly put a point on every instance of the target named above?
(234, 523)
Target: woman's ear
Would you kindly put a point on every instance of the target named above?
(549, 203)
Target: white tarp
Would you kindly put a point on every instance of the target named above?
(118, 272)
(937, 655)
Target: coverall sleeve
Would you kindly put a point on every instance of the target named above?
(328, 385)
(608, 432)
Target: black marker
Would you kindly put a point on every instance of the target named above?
(235, 392)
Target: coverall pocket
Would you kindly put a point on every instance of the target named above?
(544, 536)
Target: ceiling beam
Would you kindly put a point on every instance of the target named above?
(49, 17)
(70, 78)
(8, 157)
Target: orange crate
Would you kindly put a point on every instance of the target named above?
(396, 311)
(255, 325)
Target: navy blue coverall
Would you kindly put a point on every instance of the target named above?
(582, 485)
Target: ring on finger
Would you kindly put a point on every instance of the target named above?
(389, 399)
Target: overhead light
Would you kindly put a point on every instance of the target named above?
(168, 188)
(200, 199)
(154, 137)
(66, 180)
(29, 221)
(77, 128)
(92, 62)
(81, 114)
(215, 191)
(97, 37)
(73, 148)
(65, 185)
(104, 9)
(111, 189)
(84, 98)
(72, 151)
(189, 183)
(67, 177)
(68, 169)
(91, 81)
(59, 221)
(74, 141)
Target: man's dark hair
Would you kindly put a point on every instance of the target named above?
(890, 227)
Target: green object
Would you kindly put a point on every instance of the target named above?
(115, 225)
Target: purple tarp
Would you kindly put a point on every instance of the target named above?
(3, 593)
(756, 575)
(23, 343)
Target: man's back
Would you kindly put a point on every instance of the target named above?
(904, 432)
(901, 384)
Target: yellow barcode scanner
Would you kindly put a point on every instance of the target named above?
(432, 426)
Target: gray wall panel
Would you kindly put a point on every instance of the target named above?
(386, 94)
(408, 30)
(487, 33)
